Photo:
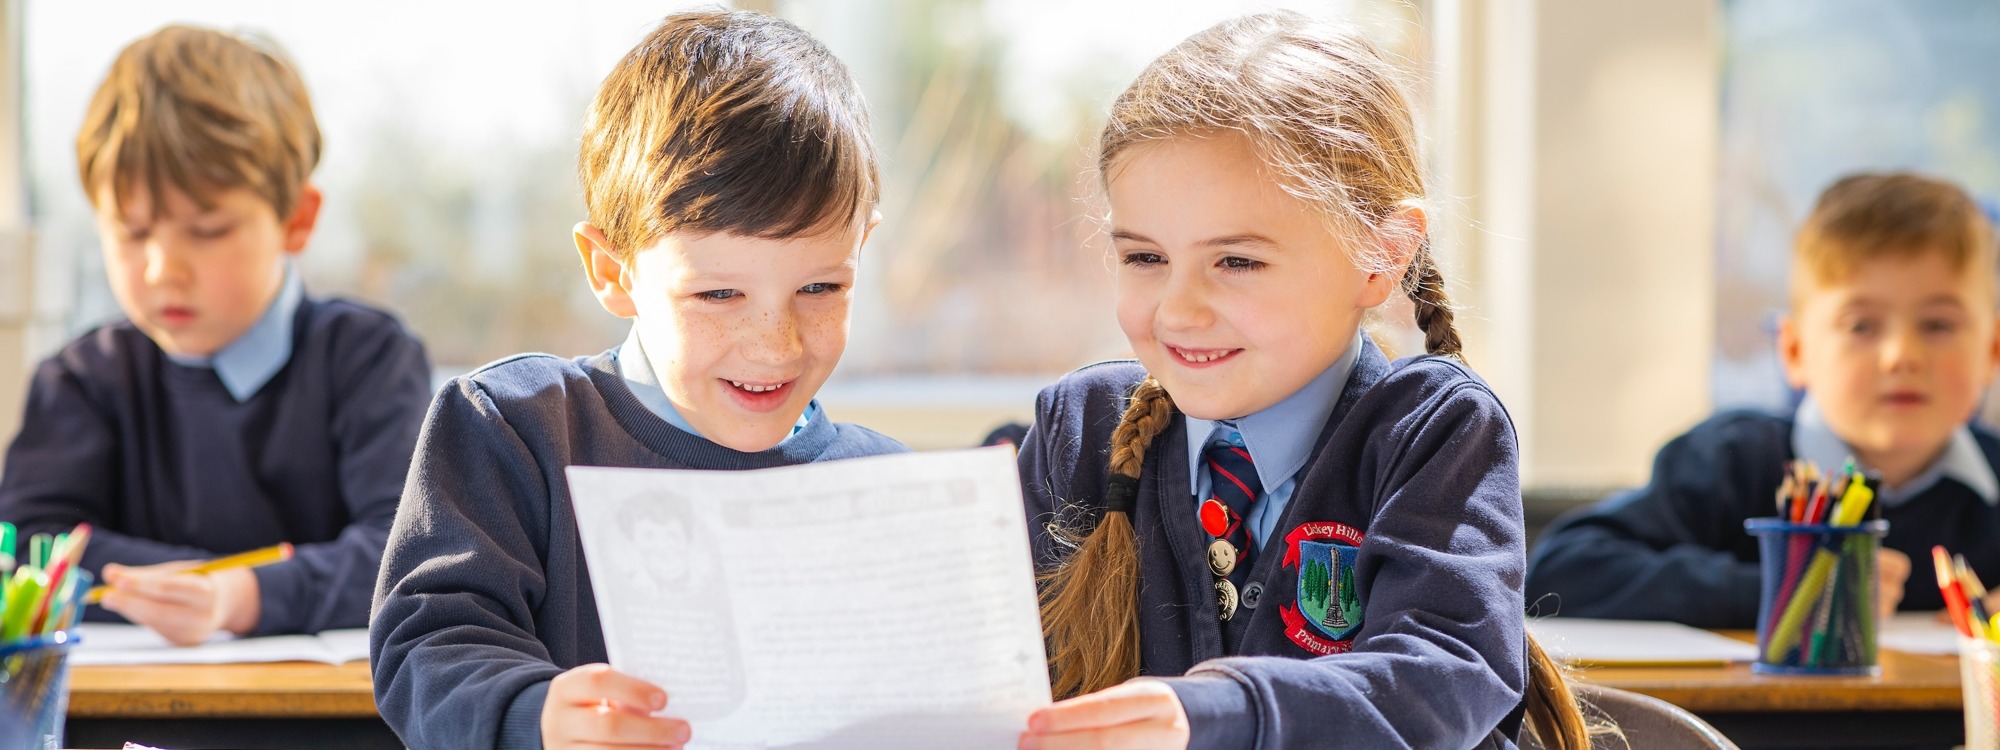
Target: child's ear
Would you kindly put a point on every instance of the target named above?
(305, 216)
(1401, 237)
(1791, 354)
(605, 269)
(874, 220)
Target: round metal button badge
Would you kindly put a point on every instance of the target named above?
(1221, 557)
(1214, 517)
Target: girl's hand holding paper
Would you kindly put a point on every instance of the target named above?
(1141, 713)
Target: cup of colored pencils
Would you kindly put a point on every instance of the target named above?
(1816, 614)
(1978, 646)
(41, 599)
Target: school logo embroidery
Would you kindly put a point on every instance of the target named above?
(1327, 612)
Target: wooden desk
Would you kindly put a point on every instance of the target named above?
(288, 704)
(237, 691)
(1915, 702)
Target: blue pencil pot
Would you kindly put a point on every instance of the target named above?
(1816, 613)
(34, 690)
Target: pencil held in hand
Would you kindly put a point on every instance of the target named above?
(254, 558)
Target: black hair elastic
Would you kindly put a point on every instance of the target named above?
(1122, 494)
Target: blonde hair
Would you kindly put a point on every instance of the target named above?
(202, 110)
(726, 121)
(1322, 108)
(1898, 215)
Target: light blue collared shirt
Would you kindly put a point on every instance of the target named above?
(247, 363)
(642, 380)
(1813, 440)
(1280, 439)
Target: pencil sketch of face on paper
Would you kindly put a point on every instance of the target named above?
(665, 554)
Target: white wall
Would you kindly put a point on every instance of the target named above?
(17, 299)
(1576, 221)
(1582, 172)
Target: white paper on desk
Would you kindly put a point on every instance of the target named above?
(1918, 633)
(1580, 640)
(105, 644)
(875, 602)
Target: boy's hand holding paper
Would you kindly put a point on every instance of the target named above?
(595, 705)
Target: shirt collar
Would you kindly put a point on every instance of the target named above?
(249, 362)
(640, 378)
(1281, 436)
(1814, 440)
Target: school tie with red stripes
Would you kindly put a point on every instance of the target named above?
(1234, 493)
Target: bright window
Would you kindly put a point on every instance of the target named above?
(1814, 91)
(451, 136)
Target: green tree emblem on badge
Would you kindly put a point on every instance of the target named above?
(1326, 593)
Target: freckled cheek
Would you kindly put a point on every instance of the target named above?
(702, 339)
(824, 333)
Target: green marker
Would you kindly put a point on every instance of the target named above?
(44, 548)
(24, 592)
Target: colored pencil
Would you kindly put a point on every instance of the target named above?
(254, 558)
(1954, 595)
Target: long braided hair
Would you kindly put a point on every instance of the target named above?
(1322, 109)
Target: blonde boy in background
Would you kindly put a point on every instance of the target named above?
(229, 411)
(1892, 338)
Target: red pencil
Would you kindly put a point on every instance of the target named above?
(1954, 595)
(1816, 511)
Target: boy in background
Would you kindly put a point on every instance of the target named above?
(229, 411)
(730, 183)
(1892, 338)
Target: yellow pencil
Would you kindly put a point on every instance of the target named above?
(254, 558)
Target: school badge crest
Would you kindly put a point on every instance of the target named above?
(1327, 611)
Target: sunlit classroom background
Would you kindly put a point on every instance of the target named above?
(1614, 187)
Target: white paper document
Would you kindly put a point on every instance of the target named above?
(882, 602)
(1918, 633)
(106, 643)
(1586, 642)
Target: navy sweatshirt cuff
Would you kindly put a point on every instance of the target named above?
(280, 590)
(1218, 710)
(521, 728)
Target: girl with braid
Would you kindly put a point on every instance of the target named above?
(1294, 541)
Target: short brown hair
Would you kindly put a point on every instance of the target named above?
(1898, 215)
(203, 110)
(726, 121)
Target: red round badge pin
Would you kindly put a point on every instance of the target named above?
(1214, 517)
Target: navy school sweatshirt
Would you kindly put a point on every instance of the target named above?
(165, 464)
(484, 596)
(1675, 549)
(1413, 485)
